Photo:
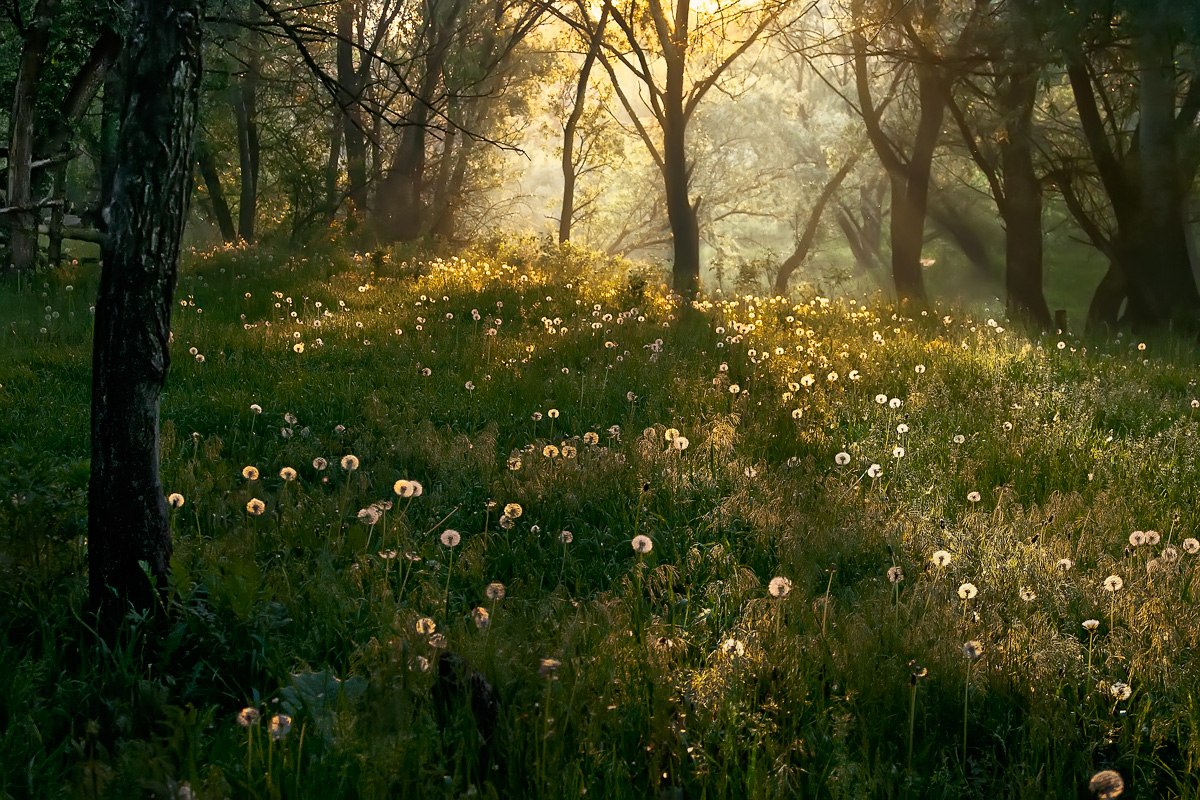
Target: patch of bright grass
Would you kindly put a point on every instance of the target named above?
(550, 408)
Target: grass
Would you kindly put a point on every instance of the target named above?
(674, 672)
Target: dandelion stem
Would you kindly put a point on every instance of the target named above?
(912, 724)
(966, 698)
(825, 605)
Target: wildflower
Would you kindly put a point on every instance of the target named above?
(256, 408)
(513, 510)
(548, 667)
(842, 459)
(1121, 690)
(286, 433)
(570, 452)
(505, 522)
(734, 388)
(881, 399)
(368, 515)
(1091, 624)
(733, 647)
(175, 500)
(289, 418)
(1008, 426)
(425, 626)
(494, 591)
(470, 386)
(481, 617)
(514, 463)
(1152, 537)
(250, 473)
(320, 464)
(797, 413)
(387, 555)
(256, 506)
(874, 471)
(940, 558)
(967, 591)
(298, 347)
(779, 587)
(959, 438)
(591, 438)
(920, 368)
(280, 726)
(831, 377)
(974, 497)
(898, 452)
(552, 413)
(901, 428)
(680, 443)
(670, 433)
(550, 451)
(1137, 538)
(566, 537)
(248, 716)
(437, 640)
(642, 544)
(1065, 564)
(1107, 784)
(1191, 546)
(808, 380)
(408, 488)
(288, 474)
(1028, 595)
(450, 538)
(1113, 583)
(973, 649)
(536, 416)
(895, 402)
(349, 463)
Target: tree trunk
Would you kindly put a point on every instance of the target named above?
(246, 111)
(212, 183)
(566, 214)
(350, 101)
(110, 123)
(333, 193)
(129, 539)
(910, 202)
(55, 230)
(809, 236)
(23, 221)
(84, 88)
(1164, 286)
(1022, 207)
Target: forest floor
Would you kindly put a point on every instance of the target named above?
(515, 524)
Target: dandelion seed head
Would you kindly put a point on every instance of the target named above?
(248, 716)
(1121, 690)
(779, 586)
(940, 558)
(1107, 784)
(1091, 624)
(494, 591)
(973, 649)
(349, 463)
(642, 544)
(175, 500)
(481, 617)
(250, 473)
(513, 510)
(967, 591)
(288, 474)
(450, 538)
(280, 726)
(842, 459)
(256, 506)
(1113, 583)
(974, 497)
(425, 626)
(895, 574)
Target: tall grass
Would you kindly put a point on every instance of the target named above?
(672, 672)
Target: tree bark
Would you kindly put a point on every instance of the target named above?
(566, 214)
(350, 87)
(129, 540)
(216, 195)
(1022, 209)
(23, 223)
(246, 111)
(809, 236)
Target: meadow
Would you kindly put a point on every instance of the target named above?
(512, 522)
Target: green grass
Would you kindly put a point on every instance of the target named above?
(679, 674)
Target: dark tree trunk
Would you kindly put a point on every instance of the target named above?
(1022, 208)
(908, 210)
(23, 219)
(566, 214)
(681, 213)
(84, 88)
(1164, 286)
(129, 540)
(955, 224)
(216, 195)
(333, 193)
(809, 236)
(110, 123)
(57, 213)
(350, 83)
(246, 110)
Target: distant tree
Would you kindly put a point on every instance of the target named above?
(129, 540)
